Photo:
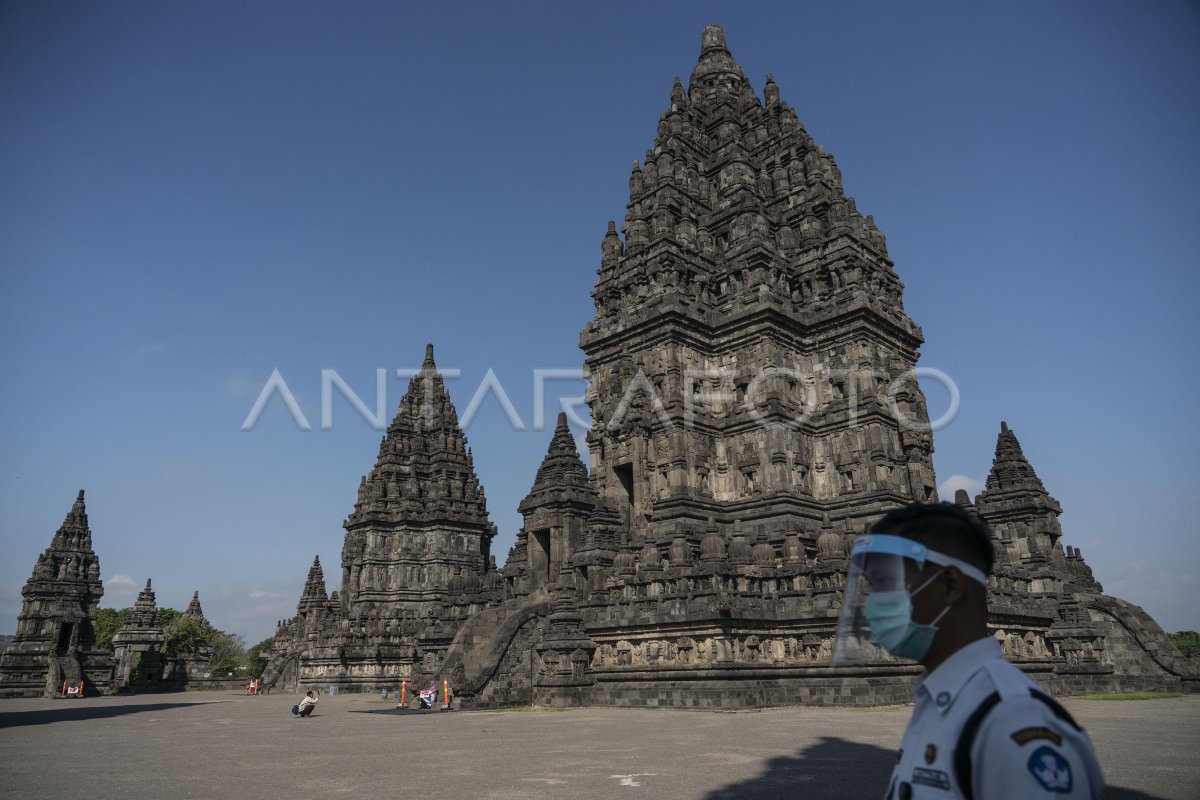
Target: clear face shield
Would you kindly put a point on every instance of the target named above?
(876, 613)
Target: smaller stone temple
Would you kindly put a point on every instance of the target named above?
(137, 645)
(55, 641)
(191, 669)
(141, 664)
(56, 635)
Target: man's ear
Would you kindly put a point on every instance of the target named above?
(956, 585)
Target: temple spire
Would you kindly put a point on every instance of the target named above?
(74, 532)
(314, 597)
(193, 609)
(1023, 515)
(314, 586)
(561, 469)
(715, 71)
(143, 616)
(1011, 470)
(423, 471)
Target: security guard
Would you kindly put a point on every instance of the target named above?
(980, 729)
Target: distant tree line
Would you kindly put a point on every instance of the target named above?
(1188, 642)
(227, 651)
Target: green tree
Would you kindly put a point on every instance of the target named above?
(257, 656)
(188, 635)
(108, 622)
(168, 617)
(228, 655)
(1188, 642)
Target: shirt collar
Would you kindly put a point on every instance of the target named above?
(944, 683)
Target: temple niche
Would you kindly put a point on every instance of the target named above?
(754, 409)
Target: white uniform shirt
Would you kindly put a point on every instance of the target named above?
(1022, 749)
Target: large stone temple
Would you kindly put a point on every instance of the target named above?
(753, 409)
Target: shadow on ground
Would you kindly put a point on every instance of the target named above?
(832, 769)
(15, 719)
(835, 769)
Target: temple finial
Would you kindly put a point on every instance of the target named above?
(716, 71)
(677, 94)
(428, 356)
(771, 91)
(713, 38)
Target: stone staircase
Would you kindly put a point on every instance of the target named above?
(62, 668)
(495, 636)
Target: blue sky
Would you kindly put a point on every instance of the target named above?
(196, 194)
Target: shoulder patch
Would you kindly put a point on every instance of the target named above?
(1051, 770)
(1027, 735)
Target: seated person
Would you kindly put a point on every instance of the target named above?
(428, 696)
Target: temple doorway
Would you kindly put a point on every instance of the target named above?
(64, 638)
(624, 475)
(540, 557)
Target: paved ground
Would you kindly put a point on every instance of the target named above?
(214, 745)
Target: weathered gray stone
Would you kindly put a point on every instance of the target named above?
(754, 408)
(136, 646)
(416, 562)
(56, 636)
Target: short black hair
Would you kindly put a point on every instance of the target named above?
(944, 527)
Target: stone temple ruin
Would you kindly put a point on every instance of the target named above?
(55, 642)
(56, 639)
(753, 409)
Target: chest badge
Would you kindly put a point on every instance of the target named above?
(930, 753)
